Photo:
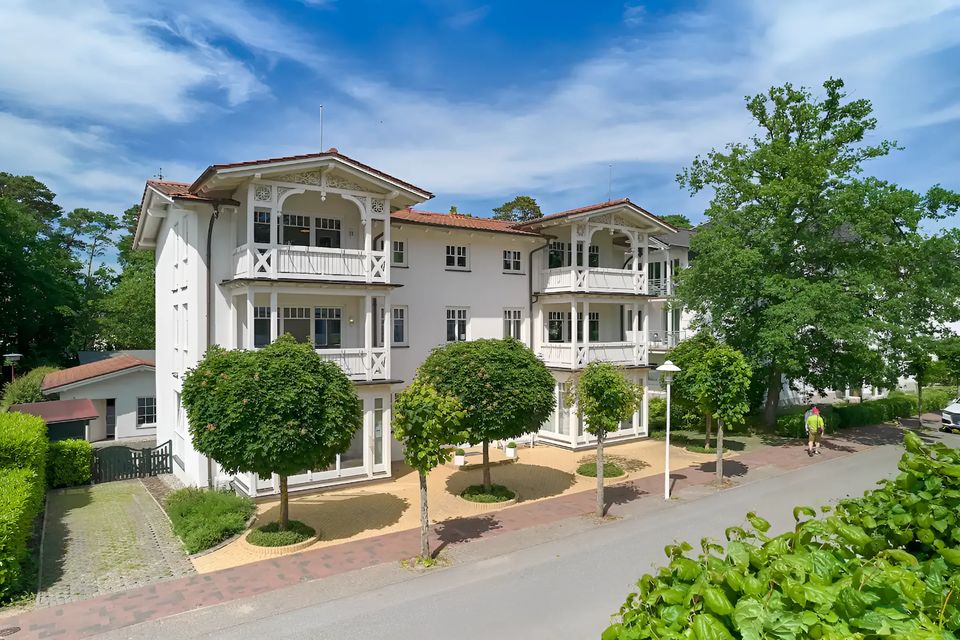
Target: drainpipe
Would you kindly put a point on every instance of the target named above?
(530, 285)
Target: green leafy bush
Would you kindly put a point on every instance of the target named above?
(23, 442)
(269, 535)
(203, 519)
(21, 499)
(497, 493)
(884, 565)
(26, 388)
(610, 470)
(69, 463)
(658, 414)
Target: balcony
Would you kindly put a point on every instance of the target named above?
(309, 263)
(357, 363)
(666, 340)
(592, 279)
(561, 354)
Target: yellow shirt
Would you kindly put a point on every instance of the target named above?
(814, 423)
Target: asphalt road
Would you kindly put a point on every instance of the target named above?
(558, 582)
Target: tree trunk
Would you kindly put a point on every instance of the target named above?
(774, 385)
(706, 438)
(284, 505)
(487, 485)
(719, 452)
(919, 404)
(600, 476)
(424, 518)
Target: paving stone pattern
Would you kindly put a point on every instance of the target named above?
(105, 538)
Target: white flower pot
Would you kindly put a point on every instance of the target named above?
(511, 452)
(459, 461)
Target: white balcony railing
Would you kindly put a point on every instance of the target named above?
(309, 263)
(660, 287)
(664, 340)
(593, 279)
(357, 364)
(560, 354)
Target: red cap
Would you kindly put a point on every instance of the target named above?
(816, 409)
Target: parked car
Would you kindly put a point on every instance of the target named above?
(951, 417)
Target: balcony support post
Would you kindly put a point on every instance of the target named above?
(367, 220)
(637, 338)
(643, 260)
(586, 332)
(572, 327)
(368, 336)
(251, 252)
(274, 317)
(646, 333)
(248, 337)
(387, 330)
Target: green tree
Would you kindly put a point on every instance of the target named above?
(505, 390)
(678, 220)
(722, 382)
(948, 352)
(34, 196)
(604, 399)
(795, 264)
(280, 409)
(126, 318)
(520, 209)
(688, 355)
(26, 388)
(426, 424)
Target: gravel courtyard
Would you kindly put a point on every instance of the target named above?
(103, 538)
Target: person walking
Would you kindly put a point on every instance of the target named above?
(815, 427)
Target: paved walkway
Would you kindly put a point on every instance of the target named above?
(119, 610)
(105, 538)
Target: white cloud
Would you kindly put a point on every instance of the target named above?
(464, 19)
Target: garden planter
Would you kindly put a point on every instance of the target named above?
(459, 460)
(510, 452)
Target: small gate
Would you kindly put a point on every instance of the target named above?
(123, 463)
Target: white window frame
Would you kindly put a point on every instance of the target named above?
(454, 254)
(142, 410)
(563, 317)
(457, 315)
(404, 319)
(262, 313)
(512, 261)
(513, 323)
(326, 314)
(323, 223)
(402, 250)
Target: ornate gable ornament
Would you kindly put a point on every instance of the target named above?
(314, 178)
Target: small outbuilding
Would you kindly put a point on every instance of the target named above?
(121, 388)
(65, 418)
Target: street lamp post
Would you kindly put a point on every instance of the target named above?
(667, 369)
(12, 359)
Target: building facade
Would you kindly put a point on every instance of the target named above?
(333, 252)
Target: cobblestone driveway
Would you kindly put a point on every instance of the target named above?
(103, 538)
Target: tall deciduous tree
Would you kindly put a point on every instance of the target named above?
(678, 220)
(505, 390)
(722, 382)
(793, 268)
(604, 399)
(127, 312)
(688, 355)
(281, 409)
(426, 424)
(520, 209)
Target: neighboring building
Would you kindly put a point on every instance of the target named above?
(122, 388)
(66, 419)
(329, 250)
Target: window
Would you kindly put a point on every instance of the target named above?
(261, 226)
(261, 326)
(296, 322)
(556, 326)
(456, 325)
(399, 255)
(400, 325)
(146, 410)
(512, 323)
(557, 249)
(327, 233)
(511, 262)
(456, 257)
(593, 326)
(296, 230)
(593, 255)
(326, 328)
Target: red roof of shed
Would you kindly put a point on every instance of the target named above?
(84, 372)
(56, 411)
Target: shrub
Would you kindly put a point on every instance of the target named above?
(26, 388)
(20, 501)
(23, 442)
(497, 493)
(69, 463)
(269, 535)
(883, 565)
(657, 408)
(610, 470)
(203, 518)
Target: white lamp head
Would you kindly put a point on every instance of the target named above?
(668, 369)
(12, 357)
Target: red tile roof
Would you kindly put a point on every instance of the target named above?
(459, 221)
(85, 372)
(172, 189)
(588, 209)
(56, 411)
(329, 153)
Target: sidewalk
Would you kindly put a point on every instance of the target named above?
(115, 611)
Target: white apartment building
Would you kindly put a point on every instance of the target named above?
(331, 251)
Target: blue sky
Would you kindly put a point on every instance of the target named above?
(477, 102)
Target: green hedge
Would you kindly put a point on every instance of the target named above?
(205, 518)
(26, 388)
(69, 463)
(658, 414)
(23, 442)
(21, 498)
(886, 565)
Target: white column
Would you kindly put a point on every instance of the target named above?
(248, 338)
(274, 316)
(234, 329)
(637, 338)
(556, 407)
(586, 330)
(636, 414)
(645, 406)
(250, 261)
(643, 263)
(669, 272)
(368, 334)
(387, 242)
(536, 331)
(387, 329)
(646, 332)
(367, 222)
(572, 325)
